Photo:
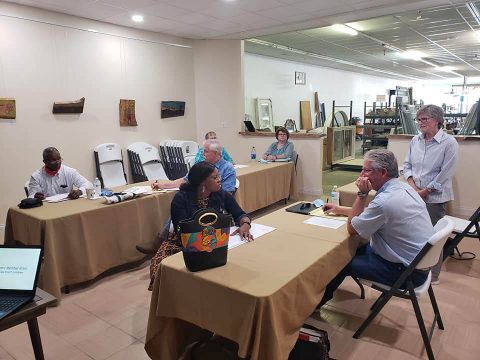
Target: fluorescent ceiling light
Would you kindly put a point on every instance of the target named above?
(412, 54)
(137, 18)
(344, 29)
(474, 11)
(445, 68)
(92, 30)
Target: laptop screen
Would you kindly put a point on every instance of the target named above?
(19, 267)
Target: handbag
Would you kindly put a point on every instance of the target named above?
(29, 203)
(204, 239)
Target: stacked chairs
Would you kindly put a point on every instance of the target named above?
(145, 162)
(177, 157)
(109, 165)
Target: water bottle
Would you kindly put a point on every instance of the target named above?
(98, 187)
(335, 196)
(253, 154)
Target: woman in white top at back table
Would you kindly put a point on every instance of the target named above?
(281, 149)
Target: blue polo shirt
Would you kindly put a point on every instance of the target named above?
(227, 172)
(396, 221)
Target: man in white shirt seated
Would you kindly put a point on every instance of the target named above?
(55, 178)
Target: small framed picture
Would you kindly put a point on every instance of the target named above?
(300, 78)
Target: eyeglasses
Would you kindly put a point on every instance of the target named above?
(423, 119)
(367, 170)
(282, 134)
(55, 161)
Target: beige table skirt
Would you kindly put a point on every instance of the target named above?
(259, 299)
(262, 185)
(84, 238)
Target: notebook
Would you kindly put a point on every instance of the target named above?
(19, 269)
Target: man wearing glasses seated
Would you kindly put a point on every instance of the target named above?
(396, 222)
(55, 178)
(212, 152)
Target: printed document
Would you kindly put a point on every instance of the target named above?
(256, 230)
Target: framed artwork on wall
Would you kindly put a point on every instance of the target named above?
(300, 78)
(8, 109)
(172, 109)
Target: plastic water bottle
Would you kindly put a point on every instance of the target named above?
(98, 187)
(253, 154)
(335, 196)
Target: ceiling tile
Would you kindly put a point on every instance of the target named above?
(255, 5)
(164, 10)
(129, 4)
(191, 5)
(97, 11)
(193, 18)
(223, 10)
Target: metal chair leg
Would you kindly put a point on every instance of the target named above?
(436, 310)
(381, 303)
(362, 289)
(421, 324)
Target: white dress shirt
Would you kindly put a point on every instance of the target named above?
(61, 183)
(432, 165)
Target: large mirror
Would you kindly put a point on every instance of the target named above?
(264, 114)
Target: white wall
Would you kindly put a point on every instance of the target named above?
(219, 93)
(41, 63)
(267, 77)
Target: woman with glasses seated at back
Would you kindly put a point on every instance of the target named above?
(202, 190)
(429, 166)
(281, 149)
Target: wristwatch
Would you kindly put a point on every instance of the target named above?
(362, 194)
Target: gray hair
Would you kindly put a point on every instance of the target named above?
(432, 111)
(213, 145)
(49, 151)
(383, 159)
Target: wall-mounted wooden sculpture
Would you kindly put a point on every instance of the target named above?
(8, 109)
(69, 107)
(127, 113)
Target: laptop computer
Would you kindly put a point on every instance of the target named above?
(249, 126)
(19, 269)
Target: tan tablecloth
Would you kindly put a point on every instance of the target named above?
(264, 184)
(83, 238)
(348, 194)
(259, 299)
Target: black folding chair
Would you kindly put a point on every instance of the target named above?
(463, 228)
(405, 289)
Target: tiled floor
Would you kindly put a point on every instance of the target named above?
(107, 320)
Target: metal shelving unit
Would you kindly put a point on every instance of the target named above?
(378, 122)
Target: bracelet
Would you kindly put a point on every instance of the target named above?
(247, 222)
(362, 194)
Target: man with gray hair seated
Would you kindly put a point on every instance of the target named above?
(212, 152)
(396, 222)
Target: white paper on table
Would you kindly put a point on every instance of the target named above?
(321, 221)
(238, 166)
(56, 198)
(172, 189)
(256, 230)
(138, 190)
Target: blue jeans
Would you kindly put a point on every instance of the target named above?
(370, 266)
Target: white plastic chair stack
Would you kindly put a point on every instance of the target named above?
(145, 162)
(109, 165)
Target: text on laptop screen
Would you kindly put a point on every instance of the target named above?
(18, 267)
